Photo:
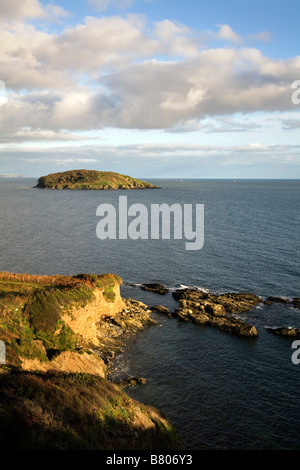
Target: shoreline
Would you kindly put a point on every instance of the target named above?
(61, 333)
(91, 324)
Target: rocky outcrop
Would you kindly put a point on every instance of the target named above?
(272, 299)
(113, 330)
(154, 287)
(295, 302)
(131, 382)
(160, 309)
(289, 332)
(216, 310)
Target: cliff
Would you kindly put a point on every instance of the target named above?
(91, 179)
(60, 334)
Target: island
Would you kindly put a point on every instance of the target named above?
(91, 180)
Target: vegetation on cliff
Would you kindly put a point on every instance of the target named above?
(32, 312)
(48, 406)
(90, 179)
(76, 412)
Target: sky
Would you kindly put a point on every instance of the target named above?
(150, 88)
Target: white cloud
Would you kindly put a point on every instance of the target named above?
(108, 72)
(102, 5)
(14, 10)
(176, 39)
(226, 32)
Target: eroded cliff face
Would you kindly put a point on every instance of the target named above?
(100, 327)
(85, 321)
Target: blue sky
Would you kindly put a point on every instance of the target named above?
(151, 88)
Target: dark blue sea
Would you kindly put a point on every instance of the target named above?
(221, 391)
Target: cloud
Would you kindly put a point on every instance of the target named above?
(96, 44)
(126, 72)
(42, 135)
(226, 32)
(290, 124)
(14, 10)
(103, 5)
(177, 39)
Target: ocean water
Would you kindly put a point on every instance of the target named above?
(221, 391)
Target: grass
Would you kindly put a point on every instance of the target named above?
(31, 310)
(73, 412)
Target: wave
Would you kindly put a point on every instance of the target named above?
(183, 286)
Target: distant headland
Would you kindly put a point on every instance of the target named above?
(91, 179)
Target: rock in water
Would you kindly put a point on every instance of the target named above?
(216, 310)
(154, 287)
(286, 331)
(160, 309)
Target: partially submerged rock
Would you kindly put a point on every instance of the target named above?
(272, 299)
(216, 310)
(160, 309)
(154, 287)
(131, 382)
(285, 331)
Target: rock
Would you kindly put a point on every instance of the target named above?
(296, 302)
(160, 309)
(235, 326)
(131, 381)
(285, 331)
(278, 300)
(154, 287)
(216, 310)
(232, 302)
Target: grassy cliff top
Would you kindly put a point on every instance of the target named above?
(91, 179)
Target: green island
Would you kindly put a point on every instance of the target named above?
(61, 334)
(91, 179)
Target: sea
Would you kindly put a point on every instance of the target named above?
(222, 392)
